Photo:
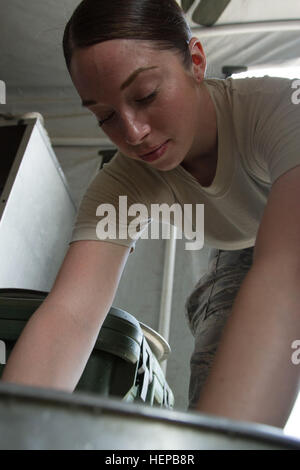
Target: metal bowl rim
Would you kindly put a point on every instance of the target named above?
(102, 405)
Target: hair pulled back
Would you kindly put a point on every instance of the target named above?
(160, 21)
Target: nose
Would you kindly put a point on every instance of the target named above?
(135, 129)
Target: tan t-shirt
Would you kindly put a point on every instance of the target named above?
(258, 140)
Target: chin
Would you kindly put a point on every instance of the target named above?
(166, 165)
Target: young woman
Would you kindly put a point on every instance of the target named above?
(232, 145)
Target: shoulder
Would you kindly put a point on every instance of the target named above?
(258, 103)
(252, 87)
(263, 84)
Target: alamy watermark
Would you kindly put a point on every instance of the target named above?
(2, 352)
(296, 94)
(2, 92)
(138, 227)
(295, 358)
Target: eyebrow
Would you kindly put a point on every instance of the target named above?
(133, 76)
(125, 84)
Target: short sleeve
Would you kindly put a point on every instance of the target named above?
(277, 132)
(103, 211)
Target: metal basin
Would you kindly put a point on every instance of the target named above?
(37, 418)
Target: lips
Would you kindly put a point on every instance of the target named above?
(158, 152)
(152, 150)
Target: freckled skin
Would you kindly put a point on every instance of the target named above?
(181, 112)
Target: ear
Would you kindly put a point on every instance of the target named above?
(198, 59)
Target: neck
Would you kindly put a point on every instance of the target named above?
(205, 146)
(202, 159)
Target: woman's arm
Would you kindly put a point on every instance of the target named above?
(253, 377)
(57, 341)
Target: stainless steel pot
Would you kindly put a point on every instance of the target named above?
(36, 418)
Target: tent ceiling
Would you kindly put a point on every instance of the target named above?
(217, 12)
(32, 63)
(31, 32)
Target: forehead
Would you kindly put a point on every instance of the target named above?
(115, 58)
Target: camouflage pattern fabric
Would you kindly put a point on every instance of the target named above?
(208, 307)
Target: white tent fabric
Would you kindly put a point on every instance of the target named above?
(244, 11)
(33, 68)
(31, 33)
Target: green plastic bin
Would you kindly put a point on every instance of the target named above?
(122, 363)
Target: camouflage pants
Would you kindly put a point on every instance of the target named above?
(208, 307)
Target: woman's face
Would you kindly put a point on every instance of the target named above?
(144, 99)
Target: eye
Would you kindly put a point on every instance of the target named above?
(101, 122)
(147, 98)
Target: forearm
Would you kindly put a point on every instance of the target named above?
(253, 377)
(51, 352)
